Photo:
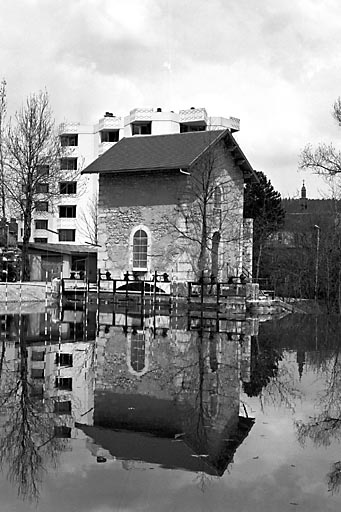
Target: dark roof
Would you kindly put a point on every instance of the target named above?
(149, 432)
(61, 248)
(160, 152)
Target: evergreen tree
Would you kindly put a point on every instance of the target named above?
(262, 203)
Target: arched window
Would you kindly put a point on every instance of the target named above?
(140, 246)
(138, 352)
(217, 197)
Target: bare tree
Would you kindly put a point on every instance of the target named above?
(3, 111)
(28, 441)
(209, 211)
(89, 220)
(325, 159)
(33, 168)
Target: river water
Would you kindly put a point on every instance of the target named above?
(129, 411)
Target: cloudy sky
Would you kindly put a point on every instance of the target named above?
(276, 65)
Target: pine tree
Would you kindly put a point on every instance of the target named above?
(262, 203)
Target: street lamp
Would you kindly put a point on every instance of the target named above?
(317, 258)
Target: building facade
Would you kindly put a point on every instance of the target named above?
(71, 217)
(173, 204)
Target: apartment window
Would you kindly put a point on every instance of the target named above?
(68, 164)
(42, 206)
(43, 170)
(40, 240)
(62, 407)
(68, 187)
(36, 390)
(184, 128)
(64, 383)
(67, 235)
(67, 211)
(62, 431)
(141, 128)
(37, 373)
(42, 188)
(38, 355)
(64, 359)
(140, 246)
(69, 140)
(109, 135)
(41, 224)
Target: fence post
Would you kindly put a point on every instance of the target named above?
(218, 292)
(126, 276)
(155, 281)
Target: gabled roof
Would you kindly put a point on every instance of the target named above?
(160, 152)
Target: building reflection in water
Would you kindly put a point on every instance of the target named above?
(160, 389)
(168, 391)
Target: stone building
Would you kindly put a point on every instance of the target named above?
(173, 204)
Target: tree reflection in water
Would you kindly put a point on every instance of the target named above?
(325, 427)
(318, 340)
(27, 442)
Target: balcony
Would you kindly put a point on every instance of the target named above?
(68, 128)
(141, 114)
(193, 115)
(110, 123)
(220, 123)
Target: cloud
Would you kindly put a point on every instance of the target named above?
(273, 64)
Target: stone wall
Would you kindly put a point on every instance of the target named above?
(153, 201)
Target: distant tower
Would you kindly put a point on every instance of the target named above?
(300, 357)
(303, 199)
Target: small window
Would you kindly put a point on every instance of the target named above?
(37, 373)
(62, 431)
(62, 407)
(69, 140)
(38, 355)
(42, 188)
(68, 187)
(64, 359)
(64, 383)
(141, 128)
(37, 390)
(109, 136)
(41, 224)
(43, 170)
(68, 164)
(67, 235)
(67, 211)
(140, 246)
(184, 128)
(40, 240)
(42, 206)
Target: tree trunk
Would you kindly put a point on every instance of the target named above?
(25, 262)
(259, 257)
(203, 244)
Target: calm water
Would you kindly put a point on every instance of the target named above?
(118, 411)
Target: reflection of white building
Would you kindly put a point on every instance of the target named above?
(63, 375)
